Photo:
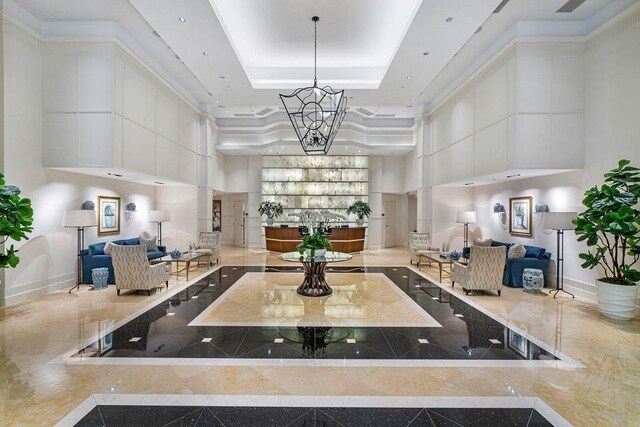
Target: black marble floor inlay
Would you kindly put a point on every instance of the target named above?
(466, 333)
(235, 416)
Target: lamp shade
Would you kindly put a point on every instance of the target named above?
(466, 217)
(159, 216)
(558, 220)
(79, 218)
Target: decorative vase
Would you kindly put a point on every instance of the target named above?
(175, 254)
(270, 221)
(617, 301)
(360, 222)
(532, 280)
(321, 252)
(455, 256)
(100, 277)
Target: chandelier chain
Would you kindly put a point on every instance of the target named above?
(315, 52)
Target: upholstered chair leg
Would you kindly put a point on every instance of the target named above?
(149, 292)
(167, 282)
(499, 292)
(118, 291)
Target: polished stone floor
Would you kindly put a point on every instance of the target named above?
(450, 329)
(39, 392)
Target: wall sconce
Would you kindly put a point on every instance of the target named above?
(497, 208)
(541, 208)
(88, 206)
(129, 210)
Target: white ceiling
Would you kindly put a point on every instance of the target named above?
(272, 31)
(408, 72)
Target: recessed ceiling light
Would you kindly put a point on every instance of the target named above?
(402, 87)
(449, 19)
(226, 111)
(282, 147)
(351, 97)
(205, 53)
(210, 94)
(409, 77)
(425, 53)
(346, 147)
(223, 77)
(181, 19)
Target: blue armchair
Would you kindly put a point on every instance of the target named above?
(95, 257)
(535, 257)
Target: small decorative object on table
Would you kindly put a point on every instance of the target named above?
(175, 254)
(455, 256)
(100, 276)
(314, 245)
(532, 281)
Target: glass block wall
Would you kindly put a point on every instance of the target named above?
(315, 182)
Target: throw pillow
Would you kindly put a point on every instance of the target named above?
(149, 243)
(483, 243)
(517, 251)
(107, 247)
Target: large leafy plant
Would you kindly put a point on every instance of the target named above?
(610, 225)
(313, 242)
(16, 218)
(271, 209)
(360, 209)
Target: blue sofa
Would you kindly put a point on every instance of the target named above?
(535, 257)
(95, 257)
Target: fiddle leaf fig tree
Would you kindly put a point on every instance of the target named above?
(610, 225)
(16, 218)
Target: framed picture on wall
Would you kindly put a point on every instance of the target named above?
(520, 216)
(108, 215)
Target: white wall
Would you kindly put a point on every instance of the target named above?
(611, 129)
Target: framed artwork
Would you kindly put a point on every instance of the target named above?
(106, 341)
(520, 216)
(217, 215)
(108, 215)
(518, 344)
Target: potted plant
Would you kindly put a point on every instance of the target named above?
(314, 245)
(611, 226)
(361, 210)
(16, 218)
(271, 209)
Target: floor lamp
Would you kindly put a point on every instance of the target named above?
(79, 219)
(466, 218)
(559, 221)
(159, 217)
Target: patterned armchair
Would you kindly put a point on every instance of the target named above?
(210, 243)
(484, 270)
(132, 269)
(420, 242)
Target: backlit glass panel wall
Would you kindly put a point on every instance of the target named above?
(315, 182)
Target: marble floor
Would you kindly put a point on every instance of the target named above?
(40, 391)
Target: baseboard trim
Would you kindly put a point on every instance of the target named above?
(16, 294)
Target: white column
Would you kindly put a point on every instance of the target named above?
(375, 232)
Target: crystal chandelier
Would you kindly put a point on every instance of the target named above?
(316, 113)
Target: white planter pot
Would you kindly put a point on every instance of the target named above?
(319, 252)
(616, 301)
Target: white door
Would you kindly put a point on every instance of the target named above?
(238, 226)
(390, 221)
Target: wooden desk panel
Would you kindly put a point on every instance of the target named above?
(285, 239)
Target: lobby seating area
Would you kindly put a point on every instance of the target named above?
(95, 257)
(320, 213)
(534, 257)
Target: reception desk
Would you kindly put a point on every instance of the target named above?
(285, 239)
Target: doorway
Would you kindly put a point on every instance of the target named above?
(390, 220)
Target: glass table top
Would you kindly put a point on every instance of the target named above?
(327, 257)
